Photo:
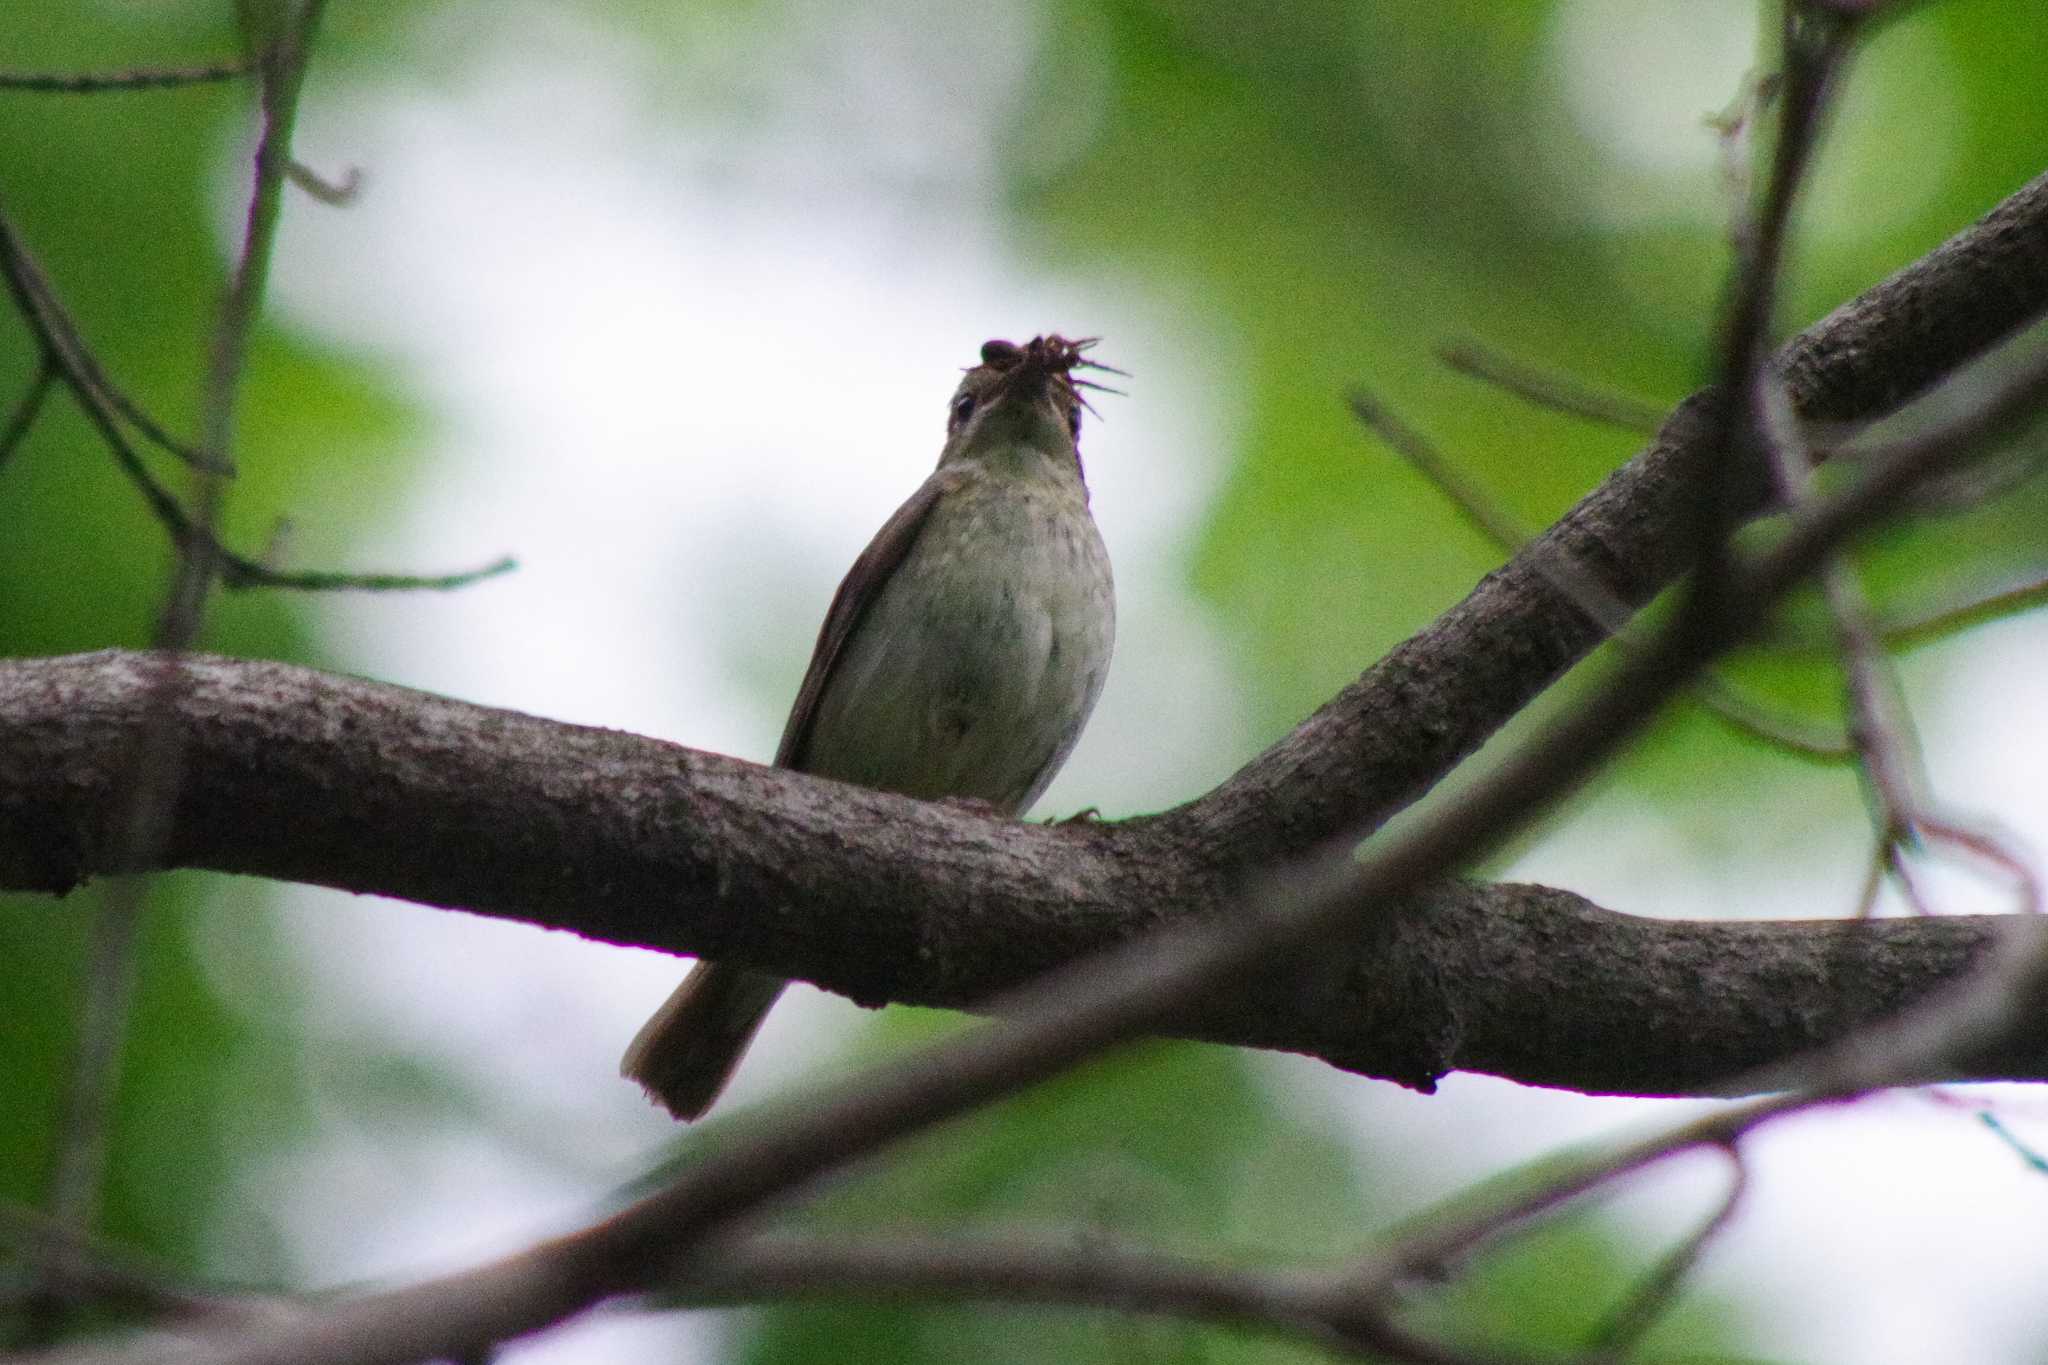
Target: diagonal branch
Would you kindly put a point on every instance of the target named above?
(71, 361)
(1714, 693)
(1547, 389)
(1937, 617)
(1411, 717)
(26, 409)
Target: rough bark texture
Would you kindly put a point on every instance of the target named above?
(306, 776)
(1408, 720)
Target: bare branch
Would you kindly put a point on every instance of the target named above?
(139, 816)
(1546, 389)
(26, 410)
(1881, 726)
(64, 349)
(1938, 618)
(1435, 1241)
(83, 1271)
(1720, 697)
(137, 78)
(2030, 1157)
(1815, 49)
(1078, 1271)
(1300, 798)
(333, 193)
(107, 406)
(1907, 1050)
(239, 571)
(1415, 714)
(337, 781)
(1636, 1314)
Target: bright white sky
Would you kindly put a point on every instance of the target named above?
(684, 381)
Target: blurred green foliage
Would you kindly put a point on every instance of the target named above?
(1114, 1150)
(1342, 186)
(126, 199)
(1179, 1147)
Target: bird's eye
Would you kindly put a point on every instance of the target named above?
(963, 408)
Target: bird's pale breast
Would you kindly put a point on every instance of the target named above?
(978, 663)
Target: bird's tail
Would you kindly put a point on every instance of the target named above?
(684, 1055)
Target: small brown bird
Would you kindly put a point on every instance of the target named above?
(960, 657)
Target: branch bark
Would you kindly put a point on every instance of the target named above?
(1408, 720)
(305, 776)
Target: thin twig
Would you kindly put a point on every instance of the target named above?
(1881, 725)
(1547, 389)
(333, 193)
(1625, 1327)
(1442, 1238)
(1817, 44)
(107, 406)
(1974, 488)
(27, 408)
(1816, 47)
(1924, 622)
(139, 78)
(1945, 831)
(1717, 695)
(92, 1272)
(1811, 740)
(1078, 1272)
(85, 1122)
(142, 821)
(2029, 1155)
(1734, 127)
(239, 571)
(36, 299)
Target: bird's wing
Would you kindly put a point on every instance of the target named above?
(857, 592)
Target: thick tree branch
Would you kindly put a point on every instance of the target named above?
(1411, 717)
(295, 774)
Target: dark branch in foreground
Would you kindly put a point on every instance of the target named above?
(1413, 716)
(295, 774)
(68, 359)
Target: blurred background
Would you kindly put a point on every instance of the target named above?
(667, 301)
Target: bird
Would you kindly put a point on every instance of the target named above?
(960, 658)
